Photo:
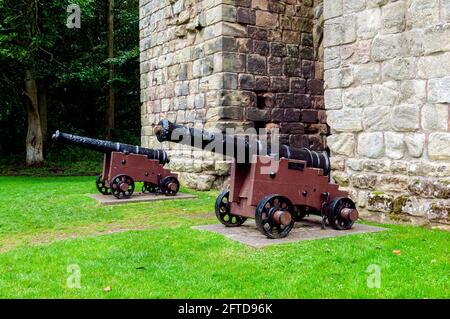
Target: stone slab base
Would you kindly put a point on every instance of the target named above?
(308, 229)
(137, 198)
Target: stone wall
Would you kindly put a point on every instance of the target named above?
(387, 81)
(220, 64)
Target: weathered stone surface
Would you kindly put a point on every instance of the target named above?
(394, 17)
(413, 92)
(332, 9)
(435, 117)
(355, 53)
(395, 147)
(369, 22)
(422, 13)
(353, 5)
(345, 120)
(435, 38)
(355, 164)
(405, 118)
(386, 94)
(366, 73)
(434, 66)
(342, 144)
(439, 146)
(363, 181)
(389, 46)
(338, 78)
(393, 183)
(399, 69)
(415, 143)
(340, 30)
(378, 165)
(358, 97)
(333, 99)
(438, 91)
(371, 145)
(332, 57)
(380, 202)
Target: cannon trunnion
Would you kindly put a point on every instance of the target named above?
(124, 165)
(276, 190)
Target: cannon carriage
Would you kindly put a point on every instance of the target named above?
(124, 165)
(277, 186)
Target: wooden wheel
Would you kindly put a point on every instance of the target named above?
(275, 216)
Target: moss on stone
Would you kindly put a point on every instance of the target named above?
(398, 204)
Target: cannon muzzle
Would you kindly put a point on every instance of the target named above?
(108, 146)
(241, 148)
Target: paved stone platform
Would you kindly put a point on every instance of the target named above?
(308, 229)
(137, 198)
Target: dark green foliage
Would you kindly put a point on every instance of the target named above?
(73, 65)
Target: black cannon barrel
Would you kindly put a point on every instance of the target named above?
(242, 148)
(108, 146)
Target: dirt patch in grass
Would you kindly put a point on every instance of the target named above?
(49, 237)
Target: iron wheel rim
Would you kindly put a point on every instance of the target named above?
(101, 185)
(223, 211)
(334, 217)
(116, 186)
(264, 216)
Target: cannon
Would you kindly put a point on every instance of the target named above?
(124, 165)
(275, 185)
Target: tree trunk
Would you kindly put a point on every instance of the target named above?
(42, 102)
(111, 98)
(34, 134)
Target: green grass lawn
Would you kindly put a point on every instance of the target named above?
(149, 250)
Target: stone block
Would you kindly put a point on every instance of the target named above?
(393, 18)
(415, 143)
(346, 120)
(405, 118)
(356, 97)
(229, 62)
(371, 145)
(353, 5)
(356, 53)
(413, 91)
(395, 146)
(438, 90)
(339, 78)
(439, 146)
(245, 16)
(435, 38)
(363, 181)
(366, 73)
(369, 23)
(422, 13)
(385, 47)
(342, 144)
(332, 58)
(399, 69)
(380, 202)
(331, 9)
(435, 117)
(333, 99)
(256, 64)
(434, 66)
(386, 94)
(339, 31)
